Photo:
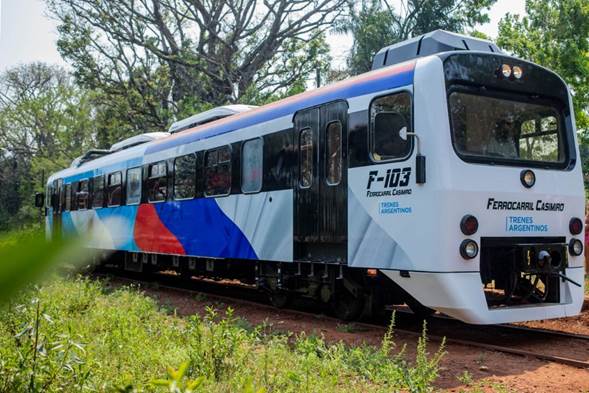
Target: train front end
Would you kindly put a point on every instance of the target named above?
(500, 216)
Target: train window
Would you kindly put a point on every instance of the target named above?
(98, 192)
(185, 177)
(157, 182)
(134, 186)
(68, 197)
(82, 195)
(389, 116)
(74, 193)
(54, 195)
(486, 128)
(218, 171)
(334, 153)
(61, 201)
(252, 165)
(306, 158)
(48, 193)
(114, 189)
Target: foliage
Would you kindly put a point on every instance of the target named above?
(82, 335)
(375, 24)
(555, 34)
(45, 122)
(159, 56)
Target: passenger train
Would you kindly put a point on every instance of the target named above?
(447, 178)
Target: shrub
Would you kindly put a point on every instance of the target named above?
(79, 335)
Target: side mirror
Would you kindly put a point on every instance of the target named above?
(39, 199)
(419, 159)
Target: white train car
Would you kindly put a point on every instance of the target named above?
(449, 178)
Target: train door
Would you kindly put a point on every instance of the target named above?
(320, 222)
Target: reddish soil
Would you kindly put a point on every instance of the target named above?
(486, 371)
(577, 325)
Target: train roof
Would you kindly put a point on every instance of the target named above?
(383, 79)
(209, 116)
(437, 41)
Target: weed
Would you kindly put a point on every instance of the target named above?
(465, 378)
(72, 335)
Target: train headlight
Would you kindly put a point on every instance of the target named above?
(506, 70)
(528, 178)
(469, 249)
(575, 247)
(575, 226)
(469, 224)
(517, 72)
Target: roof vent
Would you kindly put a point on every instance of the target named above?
(428, 44)
(137, 140)
(209, 116)
(88, 156)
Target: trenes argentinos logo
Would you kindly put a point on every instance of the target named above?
(389, 182)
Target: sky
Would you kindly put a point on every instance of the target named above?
(27, 34)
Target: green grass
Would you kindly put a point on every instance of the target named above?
(76, 335)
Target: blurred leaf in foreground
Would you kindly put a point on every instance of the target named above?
(26, 257)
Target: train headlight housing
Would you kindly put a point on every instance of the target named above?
(469, 224)
(575, 247)
(469, 249)
(517, 72)
(528, 178)
(506, 70)
(575, 226)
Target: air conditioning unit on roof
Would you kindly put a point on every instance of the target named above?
(209, 116)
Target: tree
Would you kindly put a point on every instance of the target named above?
(45, 122)
(554, 34)
(375, 24)
(164, 57)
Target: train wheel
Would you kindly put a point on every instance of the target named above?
(279, 299)
(348, 307)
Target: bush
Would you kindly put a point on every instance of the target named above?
(78, 335)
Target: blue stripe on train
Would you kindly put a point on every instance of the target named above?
(203, 229)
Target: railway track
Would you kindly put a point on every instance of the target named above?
(548, 345)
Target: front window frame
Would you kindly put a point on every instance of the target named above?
(411, 123)
(556, 105)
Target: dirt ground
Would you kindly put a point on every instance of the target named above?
(463, 368)
(577, 325)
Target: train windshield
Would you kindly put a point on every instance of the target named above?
(506, 131)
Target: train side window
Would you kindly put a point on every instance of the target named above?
(82, 195)
(74, 193)
(134, 186)
(390, 115)
(252, 165)
(54, 195)
(48, 193)
(98, 192)
(114, 189)
(61, 201)
(306, 158)
(185, 177)
(157, 182)
(333, 152)
(218, 171)
(68, 197)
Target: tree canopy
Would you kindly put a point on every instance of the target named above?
(375, 24)
(168, 57)
(45, 122)
(555, 34)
